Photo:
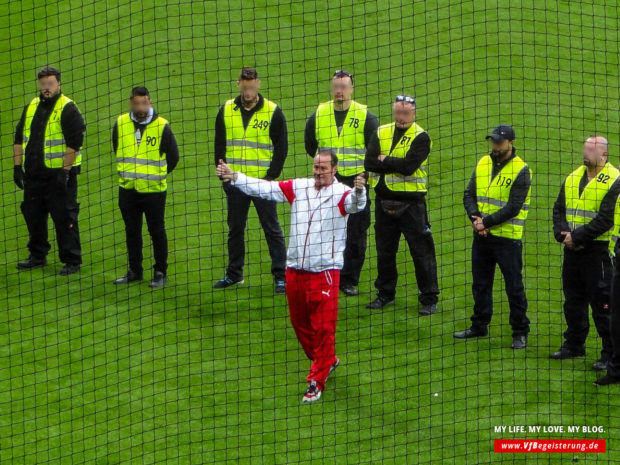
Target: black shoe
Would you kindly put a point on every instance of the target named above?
(159, 279)
(280, 286)
(428, 310)
(131, 276)
(565, 353)
(31, 262)
(519, 342)
(471, 332)
(600, 364)
(226, 282)
(607, 379)
(69, 269)
(349, 291)
(379, 302)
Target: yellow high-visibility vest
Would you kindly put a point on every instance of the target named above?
(493, 194)
(615, 230)
(141, 167)
(581, 209)
(249, 150)
(54, 146)
(395, 181)
(349, 144)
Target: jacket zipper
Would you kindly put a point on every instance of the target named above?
(303, 258)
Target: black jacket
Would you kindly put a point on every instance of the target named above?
(73, 128)
(417, 153)
(277, 132)
(587, 234)
(516, 199)
(168, 144)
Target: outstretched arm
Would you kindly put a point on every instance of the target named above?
(269, 190)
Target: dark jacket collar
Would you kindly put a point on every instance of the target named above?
(49, 101)
(503, 163)
(258, 106)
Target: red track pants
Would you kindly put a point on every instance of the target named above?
(313, 305)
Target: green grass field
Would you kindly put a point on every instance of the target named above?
(91, 373)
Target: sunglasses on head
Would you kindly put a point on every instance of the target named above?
(404, 98)
(343, 73)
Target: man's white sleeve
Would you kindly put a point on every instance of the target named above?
(355, 202)
(269, 190)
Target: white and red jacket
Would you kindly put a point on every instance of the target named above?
(318, 218)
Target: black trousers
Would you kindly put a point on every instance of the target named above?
(586, 280)
(413, 224)
(43, 197)
(355, 247)
(133, 206)
(238, 208)
(613, 368)
(507, 253)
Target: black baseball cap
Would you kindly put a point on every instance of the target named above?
(502, 132)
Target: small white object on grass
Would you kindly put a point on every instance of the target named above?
(436, 395)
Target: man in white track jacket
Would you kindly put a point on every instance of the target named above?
(319, 211)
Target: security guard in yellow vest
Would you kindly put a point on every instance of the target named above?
(345, 127)
(146, 153)
(47, 159)
(583, 217)
(398, 153)
(613, 362)
(251, 137)
(497, 200)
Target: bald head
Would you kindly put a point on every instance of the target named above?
(595, 152)
(599, 142)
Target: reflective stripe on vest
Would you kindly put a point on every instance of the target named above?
(134, 175)
(141, 167)
(492, 194)
(349, 144)
(54, 147)
(396, 182)
(581, 209)
(498, 203)
(249, 150)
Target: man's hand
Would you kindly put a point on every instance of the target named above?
(358, 183)
(224, 172)
(381, 157)
(18, 176)
(568, 239)
(479, 227)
